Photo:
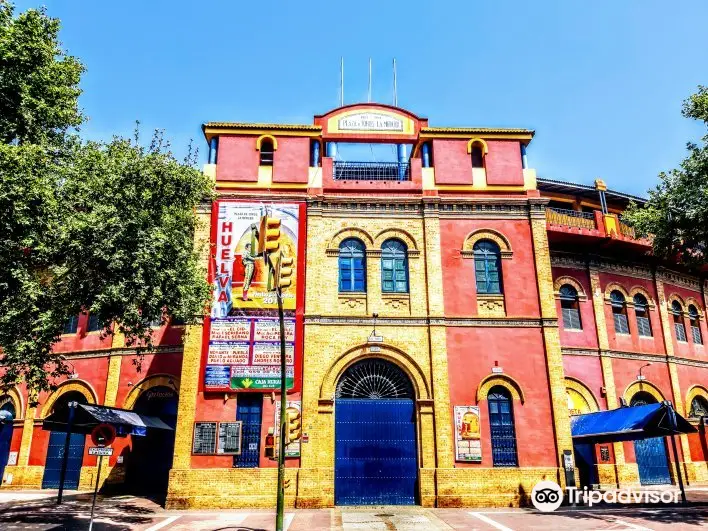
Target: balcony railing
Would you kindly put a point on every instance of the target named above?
(371, 171)
(626, 230)
(571, 218)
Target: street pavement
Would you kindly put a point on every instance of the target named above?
(37, 510)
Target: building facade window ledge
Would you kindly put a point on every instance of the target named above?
(491, 305)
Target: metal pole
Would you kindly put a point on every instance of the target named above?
(95, 491)
(283, 425)
(672, 420)
(65, 456)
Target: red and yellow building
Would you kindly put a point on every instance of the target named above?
(451, 312)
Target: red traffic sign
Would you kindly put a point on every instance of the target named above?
(103, 435)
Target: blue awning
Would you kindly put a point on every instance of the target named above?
(627, 424)
(87, 417)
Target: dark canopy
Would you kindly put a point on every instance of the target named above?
(87, 417)
(627, 424)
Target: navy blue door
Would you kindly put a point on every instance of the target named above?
(375, 457)
(652, 462)
(585, 461)
(55, 452)
(249, 410)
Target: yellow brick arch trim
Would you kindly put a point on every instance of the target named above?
(502, 380)
(388, 353)
(351, 232)
(162, 380)
(642, 386)
(16, 398)
(473, 141)
(693, 392)
(486, 234)
(692, 301)
(80, 386)
(583, 390)
(398, 234)
(614, 286)
(261, 138)
(676, 297)
(641, 291)
(561, 281)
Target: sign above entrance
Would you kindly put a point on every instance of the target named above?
(370, 119)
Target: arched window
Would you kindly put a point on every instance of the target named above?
(619, 312)
(352, 266)
(266, 152)
(477, 154)
(695, 325)
(699, 407)
(679, 327)
(501, 427)
(570, 308)
(394, 267)
(641, 311)
(487, 267)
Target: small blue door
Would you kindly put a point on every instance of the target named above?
(7, 415)
(55, 453)
(375, 457)
(585, 461)
(249, 410)
(652, 462)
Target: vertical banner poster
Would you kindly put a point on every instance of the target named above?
(243, 349)
(468, 445)
(294, 410)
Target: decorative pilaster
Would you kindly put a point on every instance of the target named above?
(551, 335)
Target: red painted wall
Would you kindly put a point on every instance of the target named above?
(687, 349)
(453, 165)
(291, 160)
(237, 159)
(519, 273)
(472, 353)
(588, 370)
(503, 163)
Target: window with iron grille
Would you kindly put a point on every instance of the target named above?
(699, 407)
(266, 157)
(501, 427)
(71, 325)
(394, 267)
(94, 324)
(487, 267)
(641, 311)
(679, 327)
(619, 312)
(570, 307)
(352, 266)
(695, 325)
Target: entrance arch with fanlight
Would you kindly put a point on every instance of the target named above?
(376, 461)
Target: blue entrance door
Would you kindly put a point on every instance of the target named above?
(375, 457)
(7, 415)
(652, 462)
(249, 410)
(55, 453)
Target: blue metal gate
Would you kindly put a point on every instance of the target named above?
(652, 462)
(55, 452)
(375, 452)
(249, 410)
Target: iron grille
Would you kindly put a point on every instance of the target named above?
(621, 324)
(644, 326)
(680, 332)
(374, 379)
(372, 171)
(696, 332)
(501, 423)
(571, 319)
(571, 218)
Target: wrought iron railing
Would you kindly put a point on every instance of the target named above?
(571, 218)
(371, 171)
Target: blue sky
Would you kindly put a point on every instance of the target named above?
(601, 82)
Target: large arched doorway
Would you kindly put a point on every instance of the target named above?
(148, 465)
(7, 416)
(376, 460)
(55, 449)
(650, 453)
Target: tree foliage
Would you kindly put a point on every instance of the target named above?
(676, 214)
(100, 227)
(39, 83)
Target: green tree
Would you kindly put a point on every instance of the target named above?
(39, 83)
(676, 214)
(102, 227)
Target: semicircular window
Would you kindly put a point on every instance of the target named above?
(374, 378)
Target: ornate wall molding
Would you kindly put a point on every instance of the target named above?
(678, 279)
(511, 322)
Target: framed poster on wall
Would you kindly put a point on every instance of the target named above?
(468, 444)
